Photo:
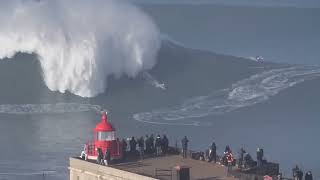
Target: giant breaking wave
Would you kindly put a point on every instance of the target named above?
(80, 43)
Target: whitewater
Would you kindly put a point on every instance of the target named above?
(80, 44)
(255, 89)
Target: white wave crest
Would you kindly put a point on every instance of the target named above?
(47, 108)
(247, 92)
(79, 43)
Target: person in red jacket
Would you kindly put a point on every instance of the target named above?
(230, 159)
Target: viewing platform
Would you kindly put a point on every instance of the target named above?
(143, 164)
(150, 168)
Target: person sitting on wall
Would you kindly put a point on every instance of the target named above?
(84, 154)
(201, 156)
(308, 176)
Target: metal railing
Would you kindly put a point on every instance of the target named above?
(116, 151)
(41, 175)
(161, 173)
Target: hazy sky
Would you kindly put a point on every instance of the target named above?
(291, 3)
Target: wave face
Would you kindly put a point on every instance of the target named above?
(80, 43)
(246, 92)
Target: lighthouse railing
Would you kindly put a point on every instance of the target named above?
(91, 149)
(116, 149)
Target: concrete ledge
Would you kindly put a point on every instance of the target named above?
(80, 170)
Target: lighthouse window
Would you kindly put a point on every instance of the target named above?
(108, 136)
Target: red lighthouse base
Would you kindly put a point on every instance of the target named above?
(104, 138)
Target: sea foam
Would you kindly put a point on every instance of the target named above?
(80, 43)
(247, 92)
(58, 108)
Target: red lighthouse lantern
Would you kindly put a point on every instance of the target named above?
(104, 138)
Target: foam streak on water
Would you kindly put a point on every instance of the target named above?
(247, 92)
(47, 108)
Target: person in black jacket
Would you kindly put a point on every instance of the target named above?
(165, 144)
(133, 145)
(227, 149)
(300, 175)
(259, 157)
(213, 152)
(184, 143)
(124, 148)
(308, 176)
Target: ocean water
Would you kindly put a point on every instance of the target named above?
(279, 34)
(201, 86)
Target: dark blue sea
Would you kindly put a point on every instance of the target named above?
(204, 83)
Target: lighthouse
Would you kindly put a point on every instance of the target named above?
(104, 137)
